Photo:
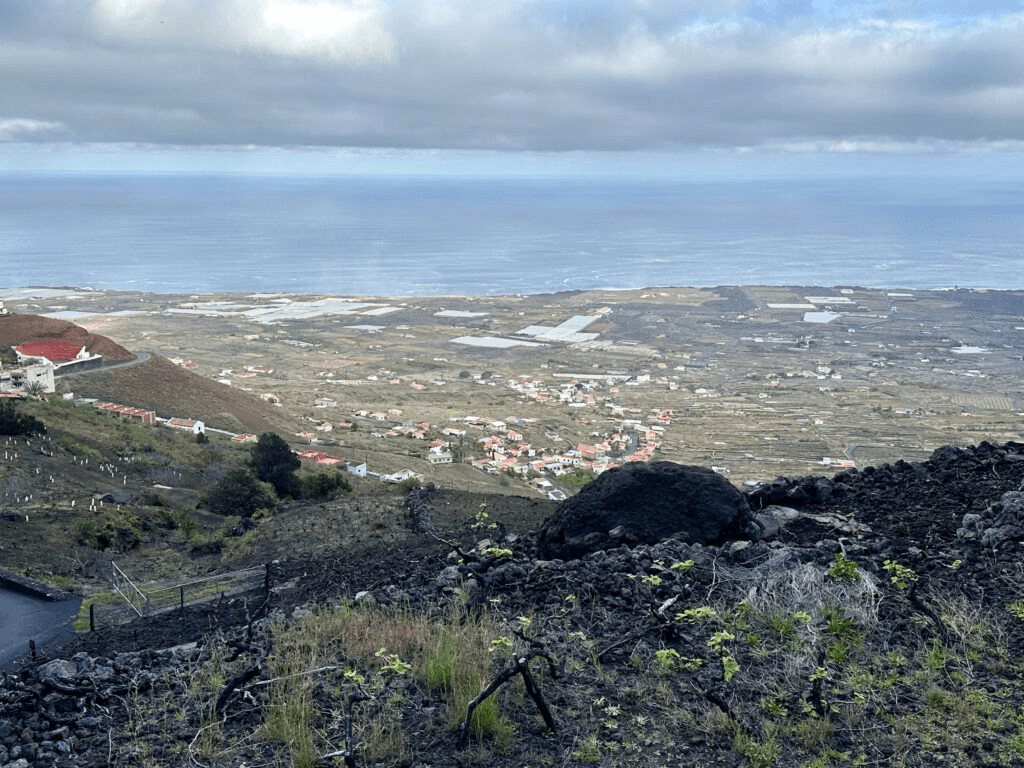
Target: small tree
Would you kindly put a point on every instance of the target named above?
(35, 389)
(240, 493)
(273, 461)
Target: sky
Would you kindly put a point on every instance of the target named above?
(485, 85)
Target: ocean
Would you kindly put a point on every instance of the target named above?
(465, 236)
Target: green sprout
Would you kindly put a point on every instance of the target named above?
(843, 569)
(354, 677)
(729, 667)
(719, 639)
(899, 574)
(392, 662)
(667, 657)
(693, 615)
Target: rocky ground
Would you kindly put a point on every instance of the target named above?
(879, 620)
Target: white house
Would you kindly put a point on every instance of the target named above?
(400, 476)
(19, 379)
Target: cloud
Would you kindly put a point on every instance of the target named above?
(20, 129)
(339, 31)
(876, 146)
(516, 74)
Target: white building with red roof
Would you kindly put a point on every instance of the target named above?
(56, 352)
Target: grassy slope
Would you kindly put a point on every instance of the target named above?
(160, 385)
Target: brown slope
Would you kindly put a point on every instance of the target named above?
(20, 329)
(161, 386)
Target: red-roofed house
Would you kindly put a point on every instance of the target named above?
(140, 415)
(193, 426)
(54, 351)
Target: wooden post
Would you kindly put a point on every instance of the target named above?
(92, 617)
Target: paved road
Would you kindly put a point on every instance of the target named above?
(140, 357)
(24, 618)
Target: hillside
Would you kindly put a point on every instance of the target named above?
(170, 390)
(16, 329)
(156, 384)
(879, 620)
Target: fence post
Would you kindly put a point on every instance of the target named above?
(181, 602)
(92, 617)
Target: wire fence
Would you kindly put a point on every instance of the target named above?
(124, 587)
(208, 588)
(149, 602)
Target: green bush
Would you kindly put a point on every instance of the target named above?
(409, 483)
(323, 486)
(240, 493)
(119, 531)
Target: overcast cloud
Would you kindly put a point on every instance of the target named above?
(802, 75)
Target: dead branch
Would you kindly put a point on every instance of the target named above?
(521, 667)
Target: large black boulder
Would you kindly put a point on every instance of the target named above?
(644, 503)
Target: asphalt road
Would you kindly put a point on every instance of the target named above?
(140, 357)
(24, 618)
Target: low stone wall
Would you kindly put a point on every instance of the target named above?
(37, 589)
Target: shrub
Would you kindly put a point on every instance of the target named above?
(239, 493)
(409, 483)
(14, 423)
(323, 486)
(118, 531)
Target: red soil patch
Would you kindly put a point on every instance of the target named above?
(20, 329)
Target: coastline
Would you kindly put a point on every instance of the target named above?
(41, 291)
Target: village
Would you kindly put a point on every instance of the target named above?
(535, 394)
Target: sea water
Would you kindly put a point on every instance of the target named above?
(439, 236)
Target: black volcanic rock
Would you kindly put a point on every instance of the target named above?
(644, 503)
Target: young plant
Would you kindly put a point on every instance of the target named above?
(729, 667)
(899, 574)
(393, 663)
(667, 658)
(693, 615)
(843, 569)
(719, 639)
